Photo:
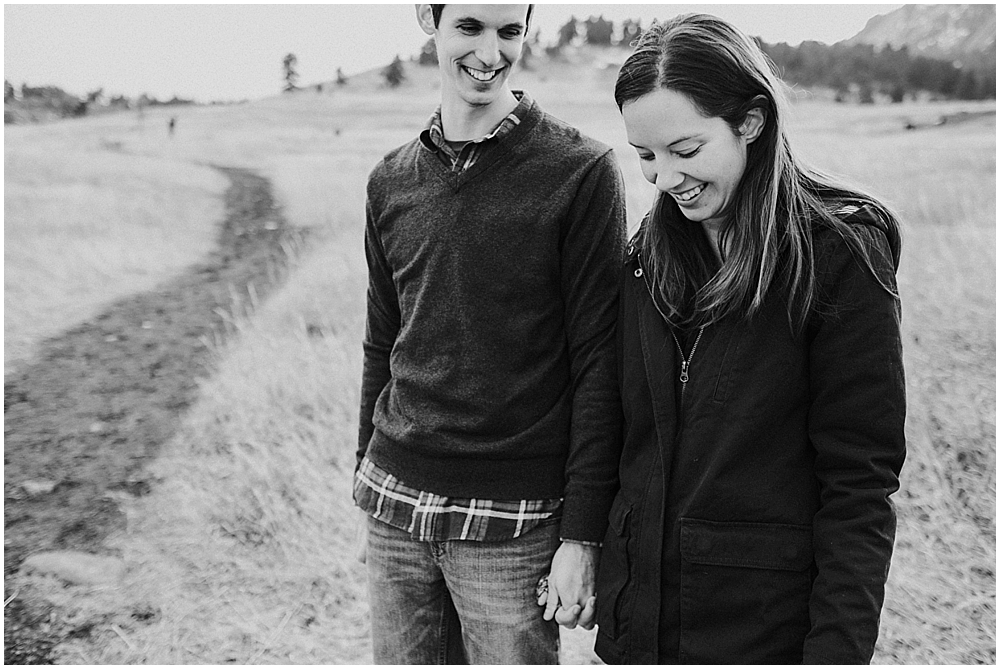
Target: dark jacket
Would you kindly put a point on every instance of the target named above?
(754, 523)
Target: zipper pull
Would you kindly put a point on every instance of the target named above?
(684, 371)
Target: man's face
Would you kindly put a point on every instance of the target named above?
(477, 46)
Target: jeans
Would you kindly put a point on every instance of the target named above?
(460, 602)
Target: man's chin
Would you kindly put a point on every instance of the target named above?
(484, 98)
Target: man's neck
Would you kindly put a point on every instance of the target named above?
(463, 122)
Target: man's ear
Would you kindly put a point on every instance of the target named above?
(752, 124)
(425, 17)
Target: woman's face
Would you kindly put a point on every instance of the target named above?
(698, 161)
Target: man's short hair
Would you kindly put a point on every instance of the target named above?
(436, 10)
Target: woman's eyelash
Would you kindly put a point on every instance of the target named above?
(686, 154)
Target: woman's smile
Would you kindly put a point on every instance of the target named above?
(687, 196)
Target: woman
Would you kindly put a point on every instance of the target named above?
(761, 378)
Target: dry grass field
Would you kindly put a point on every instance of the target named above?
(241, 553)
(85, 223)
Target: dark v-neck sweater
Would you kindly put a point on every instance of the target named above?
(489, 367)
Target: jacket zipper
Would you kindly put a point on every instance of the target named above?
(685, 362)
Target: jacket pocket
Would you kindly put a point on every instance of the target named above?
(613, 573)
(744, 591)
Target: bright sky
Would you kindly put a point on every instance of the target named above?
(235, 51)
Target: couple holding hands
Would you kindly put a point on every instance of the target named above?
(688, 438)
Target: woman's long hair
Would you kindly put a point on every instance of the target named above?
(767, 242)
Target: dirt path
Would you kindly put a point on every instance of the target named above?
(98, 401)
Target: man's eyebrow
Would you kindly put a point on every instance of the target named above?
(468, 19)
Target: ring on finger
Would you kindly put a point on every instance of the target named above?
(543, 586)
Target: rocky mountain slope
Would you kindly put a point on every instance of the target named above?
(955, 32)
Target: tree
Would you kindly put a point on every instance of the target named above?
(8, 91)
(291, 76)
(968, 86)
(341, 79)
(394, 72)
(428, 53)
(631, 29)
(598, 31)
(527, 57)
(988, 83)
(567, 33)
(866, 95)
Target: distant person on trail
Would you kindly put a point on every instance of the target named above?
(490, 423)
(761, 372)
(170, 125)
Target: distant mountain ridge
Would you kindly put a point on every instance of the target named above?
(953, 32)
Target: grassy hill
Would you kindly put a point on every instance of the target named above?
(242, 550)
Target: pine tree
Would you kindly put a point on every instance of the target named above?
(631, 29)
(291, 76)
(428, 53)
(598, 31)
(567, 33)
(394, 73)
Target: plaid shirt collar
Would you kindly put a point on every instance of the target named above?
(433, 139)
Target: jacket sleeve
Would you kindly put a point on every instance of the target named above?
(381, 325)
(856, 417)
(591, 257)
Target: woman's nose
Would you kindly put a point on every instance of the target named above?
(667, 178)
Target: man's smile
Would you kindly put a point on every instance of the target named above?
(482, 75)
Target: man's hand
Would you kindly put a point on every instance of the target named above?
(361, 538)
(570, 596)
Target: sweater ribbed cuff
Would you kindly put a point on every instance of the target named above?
(585, 516)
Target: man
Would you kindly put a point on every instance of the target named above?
(490, 421)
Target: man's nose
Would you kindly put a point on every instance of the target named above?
(488, 49)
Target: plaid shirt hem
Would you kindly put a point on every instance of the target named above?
(430, 517)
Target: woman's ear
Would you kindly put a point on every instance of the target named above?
(753, 124)
(425, 17)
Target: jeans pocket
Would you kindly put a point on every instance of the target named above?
(613, 575)
(745, 591)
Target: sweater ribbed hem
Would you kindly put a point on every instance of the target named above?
(457, 475)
